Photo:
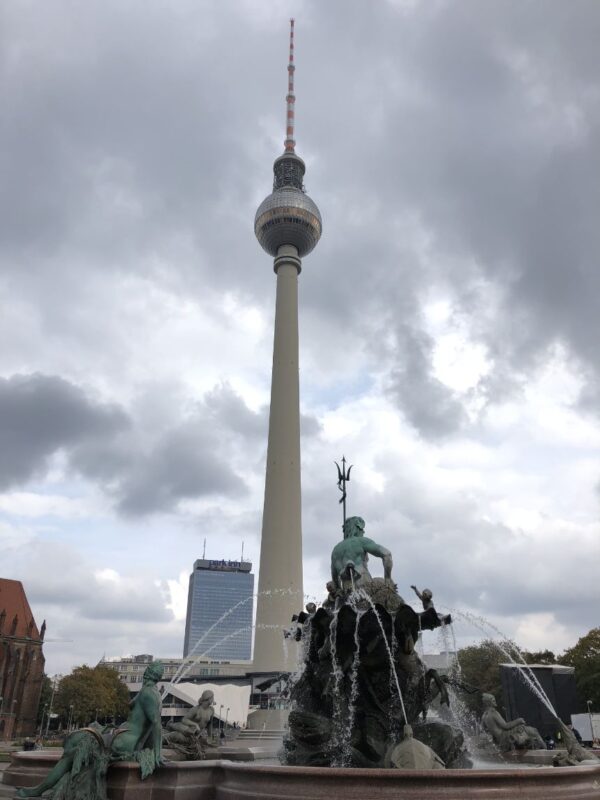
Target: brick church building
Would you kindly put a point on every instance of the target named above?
(21, 662)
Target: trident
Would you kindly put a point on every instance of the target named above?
(343, 478)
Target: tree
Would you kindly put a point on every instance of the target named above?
(585, 657)
(539, 657)
(479, 666)
(94, 692)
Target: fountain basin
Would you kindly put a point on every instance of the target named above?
(226, 780)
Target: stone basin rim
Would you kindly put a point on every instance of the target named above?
(339, 772)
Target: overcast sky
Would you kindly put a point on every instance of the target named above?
(449, 317)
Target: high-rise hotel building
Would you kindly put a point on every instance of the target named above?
(218, 624)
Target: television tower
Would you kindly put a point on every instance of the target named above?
(288, 226)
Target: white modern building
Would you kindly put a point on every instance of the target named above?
(131, 669)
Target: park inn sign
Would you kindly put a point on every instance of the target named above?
(222, 565)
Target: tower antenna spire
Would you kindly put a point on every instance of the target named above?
(290, 142)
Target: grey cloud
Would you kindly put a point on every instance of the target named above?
(184, 465)
(444, 539)
(228, 411)
(479, 122)
(42, 414)
(309, 426)
(455, 116)
(197, 458)
(428, 405)
(466, 165)
(105, 461)
(86, 596)
(145, 471)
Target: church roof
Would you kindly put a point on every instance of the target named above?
(13, 600)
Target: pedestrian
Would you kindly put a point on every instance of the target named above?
(575, 732)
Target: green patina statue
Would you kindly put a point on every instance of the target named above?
(513, 735)
(81, 772)
(140, 738)
(189, 738)
(350, 557)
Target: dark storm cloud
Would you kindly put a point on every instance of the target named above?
(121, 133)
(183, 465)
(42, 414)
(152, 471)
(451, 148)
(144, 472)
(480, 122)
(473, 125)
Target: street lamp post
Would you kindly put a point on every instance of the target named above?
(220, 716)
(226, 718)
(54, 685)
(589, 708)
(42, 720)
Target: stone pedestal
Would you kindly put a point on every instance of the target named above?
(268, 719)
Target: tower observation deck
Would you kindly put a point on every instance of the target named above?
(288, 216)
(288, 226)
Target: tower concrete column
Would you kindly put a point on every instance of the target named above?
(280, 592)
(288, 226)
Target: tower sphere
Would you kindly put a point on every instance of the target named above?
(288, 216)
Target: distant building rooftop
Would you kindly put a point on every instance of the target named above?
(554, 667)
(131, 668)
(221, 565)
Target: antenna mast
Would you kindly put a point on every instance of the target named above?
(290, 142)
(204, 549)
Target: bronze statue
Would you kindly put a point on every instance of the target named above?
(426, 597)
(81, 772)
(513, 735)
(189, 737)
(350, 557)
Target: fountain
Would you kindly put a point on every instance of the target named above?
(361, 721)
(363, 688)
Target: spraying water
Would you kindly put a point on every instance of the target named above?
(364, 596)
(509, 648)
(193, 655)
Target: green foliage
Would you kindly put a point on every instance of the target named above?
(91, 691)
(45, 696)
(585, 657)
(539, 657)
(479, 667)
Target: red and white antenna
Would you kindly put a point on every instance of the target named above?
(290, 142)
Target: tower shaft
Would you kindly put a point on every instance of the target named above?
(280, 591)
(288, 226)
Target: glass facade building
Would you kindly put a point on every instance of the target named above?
(216, 588)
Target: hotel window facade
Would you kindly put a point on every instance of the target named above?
(216, 588)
